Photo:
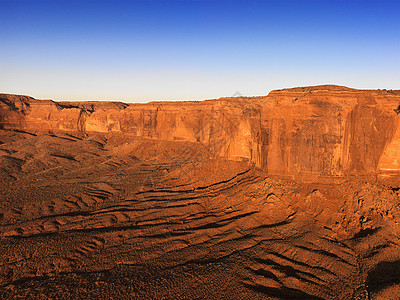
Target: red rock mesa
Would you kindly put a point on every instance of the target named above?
(291, 195)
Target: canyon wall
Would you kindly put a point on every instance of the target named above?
(310, 131)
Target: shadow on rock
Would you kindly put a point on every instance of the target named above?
(384, 275)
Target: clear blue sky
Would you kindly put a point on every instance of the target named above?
(138, 51)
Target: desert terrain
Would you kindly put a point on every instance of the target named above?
(293, 195)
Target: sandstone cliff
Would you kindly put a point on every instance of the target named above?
(318, 131)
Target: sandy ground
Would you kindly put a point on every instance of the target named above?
(115, 216)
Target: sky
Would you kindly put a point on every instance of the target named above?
(139, 51)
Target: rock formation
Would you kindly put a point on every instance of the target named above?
(292, 195)
(317, 131)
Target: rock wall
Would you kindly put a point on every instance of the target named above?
(311, 131)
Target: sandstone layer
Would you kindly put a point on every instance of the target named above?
(322, 131)
(294, 195)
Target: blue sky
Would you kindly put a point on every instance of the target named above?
(137, 51)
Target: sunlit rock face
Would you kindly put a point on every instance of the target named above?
(329, 130)
(313, 131)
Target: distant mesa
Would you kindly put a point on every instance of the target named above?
(237, 94)
(325, 87)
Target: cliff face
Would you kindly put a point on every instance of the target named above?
(311, 131)
(331, 131)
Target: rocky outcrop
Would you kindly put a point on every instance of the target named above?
(330, 131)
(311, 131)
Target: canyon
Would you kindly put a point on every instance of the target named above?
(325, 130)
(293, 195)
